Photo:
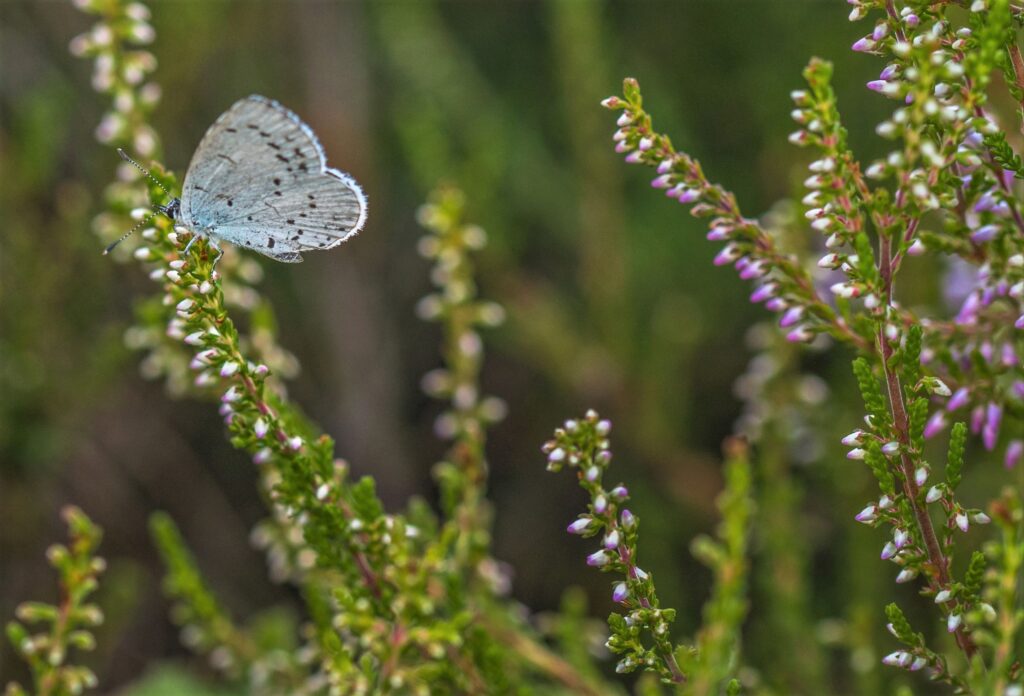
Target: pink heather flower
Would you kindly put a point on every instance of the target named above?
(919, 662)
(862, 45)
(888, 551)
(557, 455)
(856, 454)
(889, 71)
(598, 559)
(775, 304)
(993, 419)
(688, 195)
(754, 269)
(792, 316)
(1008, 355)
(1014, 452)
(612, 103)
(900, 538)
(620, 493)
(890, 448)
(579, 526)
(262, 370)
(627, 519)
(665, 166)
(985, 234)
(959, 399)
(231, 395)
(963, 522)
(935, 425)
(195, 338)
(880, 31)
(1020, 322)
(868, 514)
(934, 493)
(917, 248)
(263, 456)
(646, 144)
(228, 369)
(611, 540)
(718, 234)
(730, 253)
(620, 593)
(633, 157)
(662, 181)
(185, 305)
(600, 504)
(912, 20)
(295, 443)
(800, 334)
(260, 428)
(763, 292)
(977, 419)
(877, 85)
(623, 146)
(624, 120)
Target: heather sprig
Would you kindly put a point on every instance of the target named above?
(583, 445)
(64, 626)
(947, 188)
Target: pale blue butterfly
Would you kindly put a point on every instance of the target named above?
(259, 180)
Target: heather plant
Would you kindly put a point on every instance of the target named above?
(414, 601)
(947, 188)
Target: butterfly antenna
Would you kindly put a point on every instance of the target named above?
(145, 172)
(129, 233)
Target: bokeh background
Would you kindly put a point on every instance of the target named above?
(612, 300)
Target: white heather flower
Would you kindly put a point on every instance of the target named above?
(962, 522)
(953, 622)
(646, 144)
(185, 305)
(854, 438)
(980, 518)
(611, 541)
(943, 596)
(260, 428)
(856, 453)
(229, 368)
(890, 448)
(906, 575)
(934, 493)
(295, 443)
(195, 338)
(322, 490)
(557, 455)
(263, 456)
(921, 475)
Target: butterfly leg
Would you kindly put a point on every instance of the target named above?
(220, 252)
(189, 245)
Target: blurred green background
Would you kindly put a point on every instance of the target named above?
(612, 300)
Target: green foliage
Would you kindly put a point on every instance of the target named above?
(955, 456)
(64, 626)
(870, 392)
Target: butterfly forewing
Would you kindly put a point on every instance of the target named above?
(259, 180)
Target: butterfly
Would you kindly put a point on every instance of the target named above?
(259, 180)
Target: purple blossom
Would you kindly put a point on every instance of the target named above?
(993, 419)
(598, 559)
(959, 399)
(620, 593)
(862, 45)
(1014, 452)
(935, 425)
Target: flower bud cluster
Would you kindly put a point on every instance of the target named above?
(781, 283)
(450, 244)
(582, 444)
(120, 72)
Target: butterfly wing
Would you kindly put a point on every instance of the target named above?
(259, 179)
